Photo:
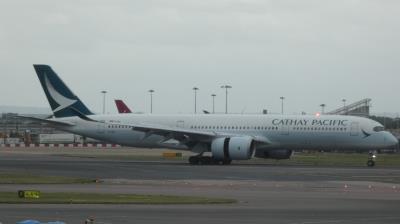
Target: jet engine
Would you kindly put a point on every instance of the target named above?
(274, 153)
(234, 148)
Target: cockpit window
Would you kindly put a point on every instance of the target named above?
(379, 128)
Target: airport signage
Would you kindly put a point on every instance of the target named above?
(29, 194)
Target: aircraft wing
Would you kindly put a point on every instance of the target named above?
(187, 135)
(46, 121)
(180, 134)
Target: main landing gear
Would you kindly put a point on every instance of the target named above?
(371, 159)
(207, 160)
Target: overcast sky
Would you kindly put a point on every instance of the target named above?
(311, 52)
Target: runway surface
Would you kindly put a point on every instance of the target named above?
(266, 193)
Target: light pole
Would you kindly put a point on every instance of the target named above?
(104, 101)
(195, 99)
(282, 98)
(322, 108)
(213, 98)
(226, 87)
(151, 100)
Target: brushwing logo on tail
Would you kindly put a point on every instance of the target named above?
(61, 100)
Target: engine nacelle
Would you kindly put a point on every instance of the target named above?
(274, 154)
(234, 148)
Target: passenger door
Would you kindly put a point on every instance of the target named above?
(101, 128)
(284, 130)
(354, 129)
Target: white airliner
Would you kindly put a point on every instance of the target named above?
(226, 137)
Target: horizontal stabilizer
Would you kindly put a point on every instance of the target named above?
(46, 121)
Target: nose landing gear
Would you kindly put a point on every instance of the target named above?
(371, 159)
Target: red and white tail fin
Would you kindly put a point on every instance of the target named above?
(122, 108)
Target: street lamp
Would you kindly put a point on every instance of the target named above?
(213, 98)
(226, 87)
(195, 99)
(282, 98)
(151, 100)
(322, 108)
(104, 101)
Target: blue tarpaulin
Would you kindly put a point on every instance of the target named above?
(29, 222)
(37, 222)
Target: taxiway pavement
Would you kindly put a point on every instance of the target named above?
(265, 193)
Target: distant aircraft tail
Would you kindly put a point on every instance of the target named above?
(63, 102)
(122, 107)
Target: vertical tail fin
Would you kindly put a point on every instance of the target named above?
(122, 107)
(63, 102)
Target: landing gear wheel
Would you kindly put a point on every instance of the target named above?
(371, 159)
(226, 162)
(206, 160)
(194, 160)
(370, 163)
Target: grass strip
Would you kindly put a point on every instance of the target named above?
(27, 178)
(94, 198)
